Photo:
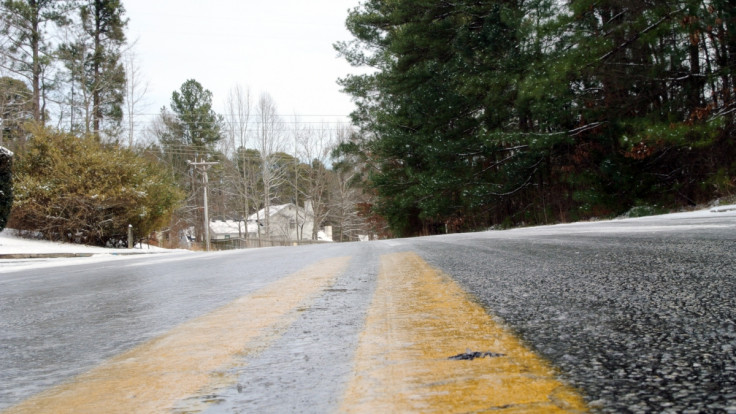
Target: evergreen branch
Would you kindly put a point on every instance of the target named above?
(638, 35)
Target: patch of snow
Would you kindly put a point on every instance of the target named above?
(710, 218)
(682, 221)
(322, 236)
(10, 243)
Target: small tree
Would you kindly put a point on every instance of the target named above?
(79, 190)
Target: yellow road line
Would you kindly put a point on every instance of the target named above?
(419, 318)
(191, 357)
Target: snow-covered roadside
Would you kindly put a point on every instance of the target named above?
(10, 244)
(689, 220)
(682, 221)
(716, 211)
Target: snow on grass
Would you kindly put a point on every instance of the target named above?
(11, 244)
(690, 220)
(711, 218)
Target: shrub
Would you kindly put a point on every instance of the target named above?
(78, 190)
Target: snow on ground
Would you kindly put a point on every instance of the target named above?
(683, 221)
(11, 244)
(690, 220)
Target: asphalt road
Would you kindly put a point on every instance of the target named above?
(637, 316)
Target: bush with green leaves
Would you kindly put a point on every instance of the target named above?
(79, 190)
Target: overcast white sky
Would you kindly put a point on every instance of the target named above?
(281, 47)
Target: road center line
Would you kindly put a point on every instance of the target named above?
(190, 358)
(418, 319)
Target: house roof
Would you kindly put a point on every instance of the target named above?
(273, 211)
(231, 227)
(262, 212)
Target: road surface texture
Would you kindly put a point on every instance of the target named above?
(622, 316)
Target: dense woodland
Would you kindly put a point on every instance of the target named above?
(497, 113)
(470, 115)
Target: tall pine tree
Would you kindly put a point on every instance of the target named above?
(25, 51)
(103, 22)
(439, 107)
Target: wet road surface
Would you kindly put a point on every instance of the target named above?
(626, 316)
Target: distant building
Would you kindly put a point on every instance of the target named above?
(285, 222)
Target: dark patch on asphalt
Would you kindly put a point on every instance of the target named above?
(473, 355)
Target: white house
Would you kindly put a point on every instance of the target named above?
(285, 222)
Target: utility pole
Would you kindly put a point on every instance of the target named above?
(203, 166)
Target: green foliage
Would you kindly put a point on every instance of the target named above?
(103, 23)
(248, 161)
(493, 112)
(26, 49)
(6, 185)
(78, 190)
(199, 124)
(192, 129)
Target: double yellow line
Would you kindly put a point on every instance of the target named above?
(418, 319)
(190, 359)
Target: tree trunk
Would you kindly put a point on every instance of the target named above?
(35, 46)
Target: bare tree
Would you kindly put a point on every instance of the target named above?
(344, 205)
(297, 132)
(269, 141)
(135, 92)
(244, 170)
(316, 145)
(238, 111)
(346, 195)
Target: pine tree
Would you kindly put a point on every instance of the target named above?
(26, 52)
(503, 112)
(103, 22)
(189, 132)
(200, 125)
(442, 98)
